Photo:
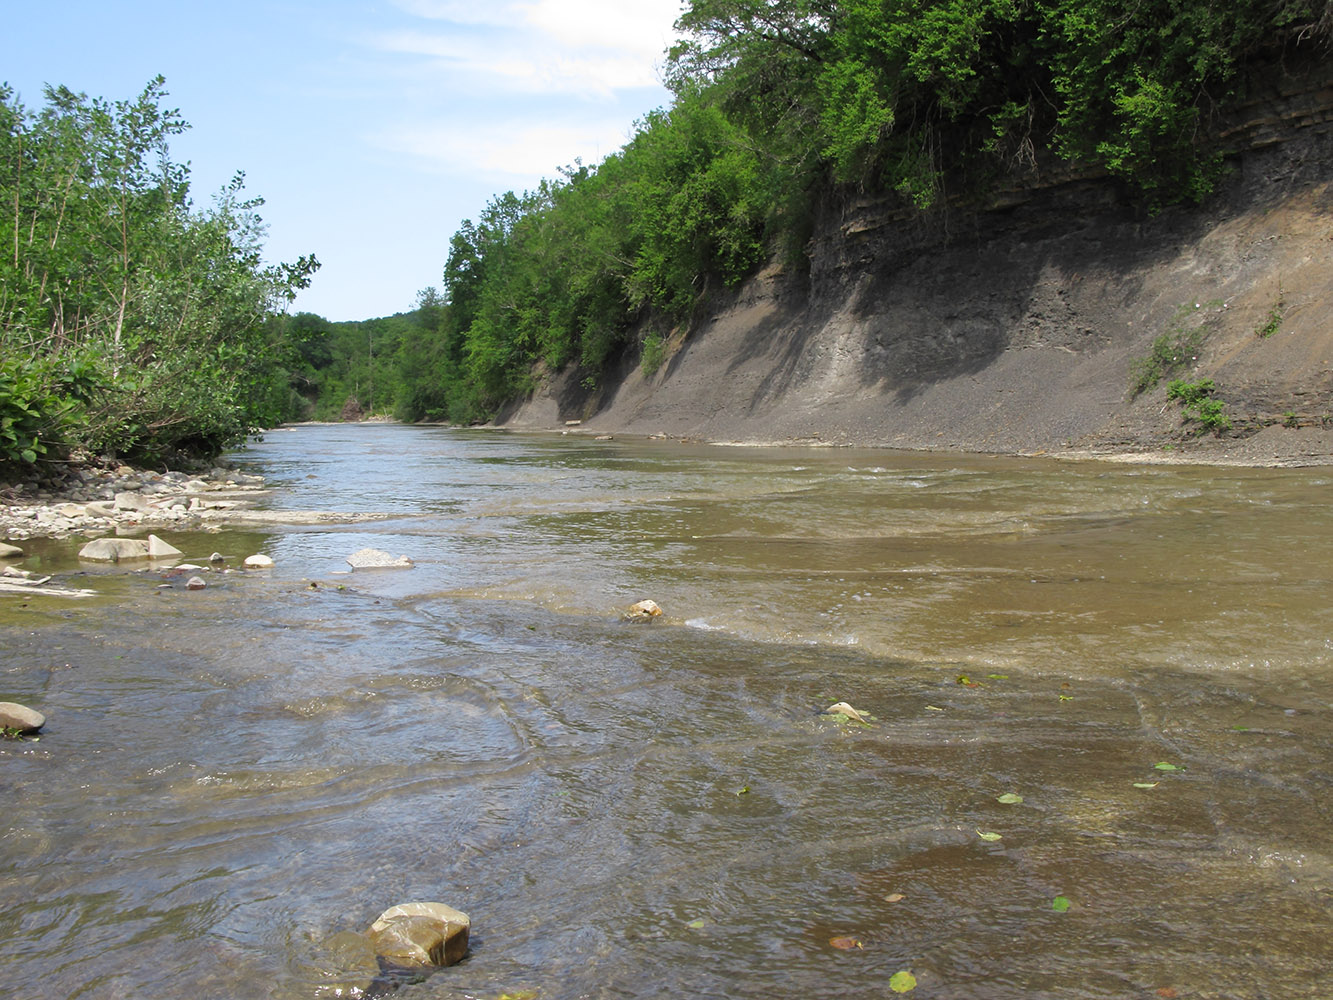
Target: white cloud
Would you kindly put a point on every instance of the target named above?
(589, 48)
(524, 155)
(513, 89)
(640, 28)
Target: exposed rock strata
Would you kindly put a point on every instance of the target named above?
(1015, 328)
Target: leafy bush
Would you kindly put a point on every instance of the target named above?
(654, 353)
(34, 417)
(1199, 404)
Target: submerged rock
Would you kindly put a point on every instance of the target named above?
(114, 549)
(348, 966)
(20, 717)
(196, 583)
(377, 559)
(416, 935)
(643, 611)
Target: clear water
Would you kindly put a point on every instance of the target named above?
(230, 776)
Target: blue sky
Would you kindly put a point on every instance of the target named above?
(372, 130)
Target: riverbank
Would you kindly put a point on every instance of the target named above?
(91, 500)
(1051, 323)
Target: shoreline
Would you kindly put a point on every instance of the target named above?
(93, 502)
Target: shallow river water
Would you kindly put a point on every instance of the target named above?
(230, 776)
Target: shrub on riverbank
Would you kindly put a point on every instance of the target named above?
(131, 322)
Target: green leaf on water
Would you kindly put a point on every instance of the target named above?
(1060, 904)
(743, 790)
(1240, 729)
(1146, 784)
(1010, 799)
(989, 835)
(998, 677)
(934, 708)
(1164, 766)
(902, 982)
(1066, 697)
(696, 925)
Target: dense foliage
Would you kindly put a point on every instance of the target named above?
(131, 322)
(779, 104)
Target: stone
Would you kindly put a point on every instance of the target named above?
(114, 549)
(196, 583)
(377, 559)
(131, 501)
(257, 562)
(217, 557)
(10, 551)
(20, 717)
(158, 549)
(348, 966)
(643, 611)
(421, 934)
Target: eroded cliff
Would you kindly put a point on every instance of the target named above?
(1020, 327)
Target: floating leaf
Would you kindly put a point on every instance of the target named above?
(1010, 799)
(1060, 904)
(902, 982)
(846, 943)
(520, 995)
(989, 836)
(894, 897)
(1164, 766)
(743, 790)
(1146, 784)
(934, 708)
(696, 925)
(1240, 729)
(998, 677)
(1066, 697)
(966, 681)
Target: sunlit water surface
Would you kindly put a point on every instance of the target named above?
(229, 776)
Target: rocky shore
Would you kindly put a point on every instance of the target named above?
(92, 500)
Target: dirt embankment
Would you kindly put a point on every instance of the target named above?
(1020, 328)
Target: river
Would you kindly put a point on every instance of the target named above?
(229, 776)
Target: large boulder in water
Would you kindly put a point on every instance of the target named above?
(20, 717)
(114, 549)
(377, 559)
(158, 549)
(418, 935)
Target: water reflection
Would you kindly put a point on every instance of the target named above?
(231, 775)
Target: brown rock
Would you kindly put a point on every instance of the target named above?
(643, 611)
(421, 934)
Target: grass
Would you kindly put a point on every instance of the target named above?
(1174, 350)
(1273, 323)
